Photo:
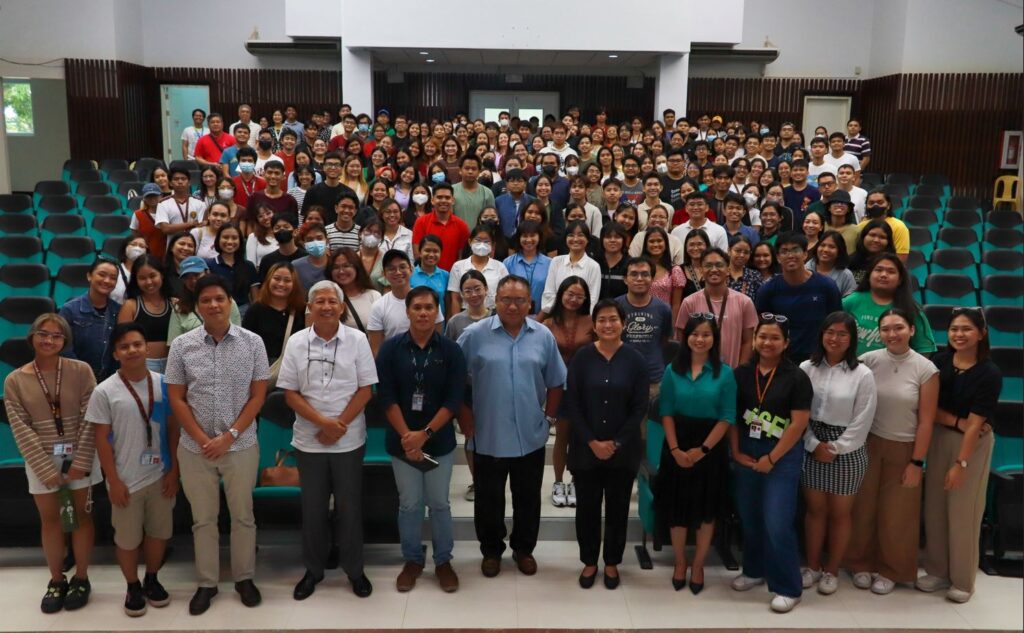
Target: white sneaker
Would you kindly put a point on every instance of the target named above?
(558, 494)
(828, 584)
(745, 583)
(808, 577)
(470, 493)
(784, 604)
(863, 580)
(570, 494)
(929, 583)
(957, 595)
(882, 586)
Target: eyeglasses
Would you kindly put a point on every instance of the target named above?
(785, 252)
(516, 301)
(957, 311)
(702, 316)
(638, 274)
(473, 292)
(768, 317)
(49, 336)
(713, 265)
(397, 269)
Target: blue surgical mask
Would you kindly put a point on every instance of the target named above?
(364, 127)
(437, 178)
(247, 168)
(316, 248)
(764, 130)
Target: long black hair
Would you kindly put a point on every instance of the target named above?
(846, 320)
(842, 258)
(903, 297)
(558, 310)
(134, 292)
(861, 258)
(665, 261)
(681, 363)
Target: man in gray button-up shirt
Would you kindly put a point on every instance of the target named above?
(216, 383)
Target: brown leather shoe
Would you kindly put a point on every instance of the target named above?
(526, 563)
(407, 579)
(447, 578)
(490, 567)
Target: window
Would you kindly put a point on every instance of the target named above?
(18, 107)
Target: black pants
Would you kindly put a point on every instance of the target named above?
(340, 474)
(525, 474)
(615, 487)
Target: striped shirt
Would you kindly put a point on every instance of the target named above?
(218, 377)
(32, 420)
(859, 146)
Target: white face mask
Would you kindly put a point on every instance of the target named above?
(419, 198)
(662, 168)
(481, 249)
(572, 170)
(750, 198)
(371, 241)
(226, 194)
(134, 252)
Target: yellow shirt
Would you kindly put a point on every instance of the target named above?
(900, 234)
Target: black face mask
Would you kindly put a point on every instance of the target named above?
(876, 211)
(549, 170)
(284, 236)
(486, 182)
(265, 145)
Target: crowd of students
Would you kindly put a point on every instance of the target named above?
(519, 279)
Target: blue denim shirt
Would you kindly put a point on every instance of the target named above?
(90, 334)
(510, 378)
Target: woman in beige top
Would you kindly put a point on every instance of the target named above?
(46, 401)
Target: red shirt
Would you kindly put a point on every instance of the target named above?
(155, 238)
(682, 217)
(454, 236)
(289, 163)
(338, 142)
(245, 189)
(209, 148)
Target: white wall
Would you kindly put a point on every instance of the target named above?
(888, 28)
(953, 36)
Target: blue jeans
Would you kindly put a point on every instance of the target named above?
(418, 489)
(767, 507)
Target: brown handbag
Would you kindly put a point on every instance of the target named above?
(280, 475)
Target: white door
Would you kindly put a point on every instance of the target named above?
(177, 103)
(486, 104)
(830, 112)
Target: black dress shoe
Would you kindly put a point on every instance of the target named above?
(612, 582)
(588, 581)
(678, 583)
(695, 587)
(201, 600)
(249, 593)
(361, 586)
(306, 586)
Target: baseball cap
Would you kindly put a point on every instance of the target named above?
(192, 264)
(151, 189)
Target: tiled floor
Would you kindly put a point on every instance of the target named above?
(551, 599)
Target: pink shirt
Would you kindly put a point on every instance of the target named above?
(662, 288)
(740, 314)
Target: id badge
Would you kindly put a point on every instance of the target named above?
(151, 459)
(755, 430)
(417, 401)
(63, 449)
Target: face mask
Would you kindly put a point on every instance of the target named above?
(549, 170)
(226, 194)
(370, 241)
(437, 178)
(489, 222)
(486, 182)
(481, 249)
(876, 211)
(364, 127)
(572, 170)
(712, 136)
(503, 122)
(662, 168)
(316, 248)
(402, 165)
(420, 198)
(264, 145)
(764, 131)
(133, 252)
(750, 198)
(283, 236)
(247, 168)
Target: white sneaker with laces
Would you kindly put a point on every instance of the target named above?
(863, 580)
(558, 494)
(784, 604)
(745, 583)
(570, 494)
(957, 595)
(828, 584)
(929, 583)
(882, 586)
(809, 576)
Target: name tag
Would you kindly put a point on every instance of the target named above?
(755, 430)
(62, 449)
(150, 459)
(417, 401)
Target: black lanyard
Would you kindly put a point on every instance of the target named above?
(419, 373)
(55, 401)
(720, 317)
(146, 413)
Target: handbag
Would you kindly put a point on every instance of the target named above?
(280, 475)
(275, 369)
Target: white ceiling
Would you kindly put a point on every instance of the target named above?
(471, 57)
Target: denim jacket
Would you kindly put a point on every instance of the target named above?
(90, 334)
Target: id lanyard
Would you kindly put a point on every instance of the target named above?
(54, 402)
(147, 414)
(720, 317)
(419, 374)
(757, 384)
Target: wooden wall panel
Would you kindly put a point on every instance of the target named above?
(770, 100)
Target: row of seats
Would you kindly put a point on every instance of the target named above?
(61, 250)
(27, 280)
(960, 218)
(52, 201)
(98, 228)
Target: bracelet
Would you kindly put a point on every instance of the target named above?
(673, 449)
(769, 456)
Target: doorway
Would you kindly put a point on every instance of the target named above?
(177, 103)
(486, 104)
(831, 112)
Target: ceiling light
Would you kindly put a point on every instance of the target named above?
(430, 61)
(613, 57)
(424, 53)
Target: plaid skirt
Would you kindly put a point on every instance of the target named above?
(844, 474)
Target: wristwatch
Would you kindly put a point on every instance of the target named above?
(963, 463)
(429, 432)
(234, 432)
(704, 449)
(917, 462)
(551, 419)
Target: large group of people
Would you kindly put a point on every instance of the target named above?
(518, 279)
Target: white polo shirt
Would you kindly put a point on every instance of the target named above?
(716, 233)
(388, 315)
(492, 272)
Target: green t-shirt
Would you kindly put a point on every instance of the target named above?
(469, 204)
(866, 312)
